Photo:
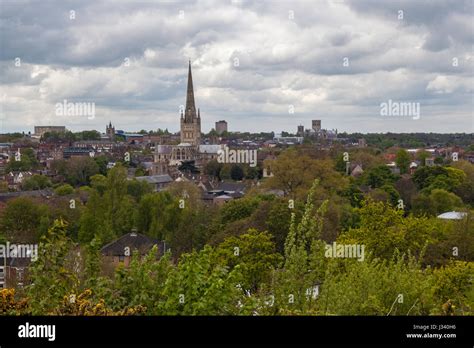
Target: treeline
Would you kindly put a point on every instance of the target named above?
(412, 140)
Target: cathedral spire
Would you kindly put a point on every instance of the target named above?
(191, 122)
(190, 112)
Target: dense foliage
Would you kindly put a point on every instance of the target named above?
(262, 254)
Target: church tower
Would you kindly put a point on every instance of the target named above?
(190, 120)
(110, 131)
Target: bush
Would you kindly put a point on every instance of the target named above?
(64, 190)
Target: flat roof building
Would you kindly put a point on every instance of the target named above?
(221, 127)
(40, 130)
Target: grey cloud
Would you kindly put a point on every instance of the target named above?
(282, 60)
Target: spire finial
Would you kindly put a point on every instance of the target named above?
(190, 111)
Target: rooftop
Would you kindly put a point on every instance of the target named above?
(133, 241)
(452, 215)
(155, 179)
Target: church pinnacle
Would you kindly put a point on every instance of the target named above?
(190, 111)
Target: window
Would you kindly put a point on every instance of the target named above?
(121, 258)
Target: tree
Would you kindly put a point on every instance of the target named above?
(450, 181)
(99, 183)
(200, 286)
(80, 170)
(354, 195)
(278, 222)
(407, 190)
(422, 155)
(225, 172)
(374, 287)
(176, 216)
(110, 210)
(236, 172)
(452, 287)
(137, 188)
(403, 161)
(447, 178)
(304, 264)
(188, 166)
(3, 186)
(254, 253)
(21, 221)
(26, 162)
(189, 192)
(89, 135)
(64, 190)
(238, 209)
(76, 172)
(438, 201)
(36, 182)
(466, 189)
(51, 274)
(101, 162)
(340, 164)
(10, 305)
(142, 283)
(93, 221)
(383, 230)
(394, 196)
(212, 168)
(92, 263)
(55, 137)
(252, 172)
(378, 176)
(294, 173)
(157, 215)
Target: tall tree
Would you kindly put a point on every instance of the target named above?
(52, 274)
(21, 221)
(403, 161)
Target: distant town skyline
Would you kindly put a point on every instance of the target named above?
(358, 66)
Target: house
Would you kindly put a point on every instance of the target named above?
(46, 194)
(357, 171)
(74, 152)
(15, 179)
(429, 162)
(275, 192)
(13, 272)
(231, 188)
(224, 192)
(157, 181)
(121, 250)
(15, 260)
(222, 199)
(390, 157)
(469, 157)
(393, 168)
(362, 142)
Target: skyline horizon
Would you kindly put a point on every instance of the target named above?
(131, 131)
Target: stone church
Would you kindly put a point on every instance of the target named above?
(168, 157)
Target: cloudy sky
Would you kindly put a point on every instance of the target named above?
(260, 65)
